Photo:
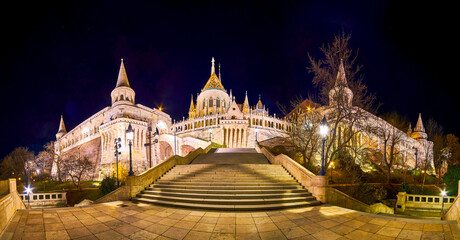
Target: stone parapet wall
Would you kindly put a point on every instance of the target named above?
(317, 185)
(9, 203)
(338, 198)
(135, 184)
(453, 213)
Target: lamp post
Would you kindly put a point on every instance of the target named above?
(210, 134)
(332, 166)
(149, 129)
(28, 191)
(129, 137)
(117, 146)
(415, 168)
(323, 131)
(257, 129)
(443, 194)
(175, 142)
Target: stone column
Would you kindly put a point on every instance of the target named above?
(319, 188)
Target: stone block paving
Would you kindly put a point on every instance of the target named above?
(127, 220)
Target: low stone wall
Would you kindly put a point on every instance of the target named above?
(135, 184)
(453, 213)
(9, 203)
(338, 198)
(317, 185)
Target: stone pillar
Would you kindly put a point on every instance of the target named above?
(400, 202)
(319, 188)
(12, 185)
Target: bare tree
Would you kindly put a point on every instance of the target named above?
(18, 164)
(49, 150)
(304, 121)
(77, 167)
(347, 101)
(390, 137)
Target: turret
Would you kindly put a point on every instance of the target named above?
(409, 130)
(191, 111)
(341, 92)
(419, 131)
(62, 131)
(246, 104)
(123, 93)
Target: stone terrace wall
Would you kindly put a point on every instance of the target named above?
(9, 203)
(135, 184)
(453, 213)
(317, 185)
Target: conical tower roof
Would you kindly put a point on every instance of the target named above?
(122, 77)
(409, 130)
(192, 106)
(341, 76)
(419, 127)
(213, 81)
(62, 126)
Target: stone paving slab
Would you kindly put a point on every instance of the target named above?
(127, 220)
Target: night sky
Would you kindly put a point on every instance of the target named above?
(63, 57)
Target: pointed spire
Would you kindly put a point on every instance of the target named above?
(192, 106)
(409, 130)
(419, 127)
(122, 77)
(213, 69)
(62, 126)
(341, 77)
(220, 78)
(246, 104)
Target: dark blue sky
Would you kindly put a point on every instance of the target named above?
(63, 57)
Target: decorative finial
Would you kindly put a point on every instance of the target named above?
(213, 70)
(259, 96)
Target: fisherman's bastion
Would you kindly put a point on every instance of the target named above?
(214, 116)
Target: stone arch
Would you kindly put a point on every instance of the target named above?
(166, 150)
(186, 149)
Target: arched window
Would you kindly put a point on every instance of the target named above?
(210, 102)
(218, 103)
(121, 97)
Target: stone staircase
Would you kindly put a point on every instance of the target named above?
(235, 187)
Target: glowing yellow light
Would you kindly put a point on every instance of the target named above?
(308, 109)
(443, 193)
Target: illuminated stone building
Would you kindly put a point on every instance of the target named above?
(414, 149)
(216, 115)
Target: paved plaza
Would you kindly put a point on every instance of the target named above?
(127, 220)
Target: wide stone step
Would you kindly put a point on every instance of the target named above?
(197, 180)
(229, 207)
(219, 183)
(228, 201)
(226, 195)
(218, 191)
(226, 187)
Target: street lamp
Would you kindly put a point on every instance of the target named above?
(257, 129)
(117, 146)
(332, 166)
(175, 142)
(28, 191)
(443, 194)
(129, 137)
(210, 134)
(323, 131)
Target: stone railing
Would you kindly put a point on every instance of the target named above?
(453, 213)
(317, 185)
(135, 184)
(45, 199)
(9, 202)
(338, 198)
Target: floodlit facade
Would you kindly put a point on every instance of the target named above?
(216, 116)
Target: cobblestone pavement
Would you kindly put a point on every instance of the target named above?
(127, 220)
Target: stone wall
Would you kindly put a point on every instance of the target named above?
(9, 203)
(316, 185)
(453, 213)
(136, 184)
